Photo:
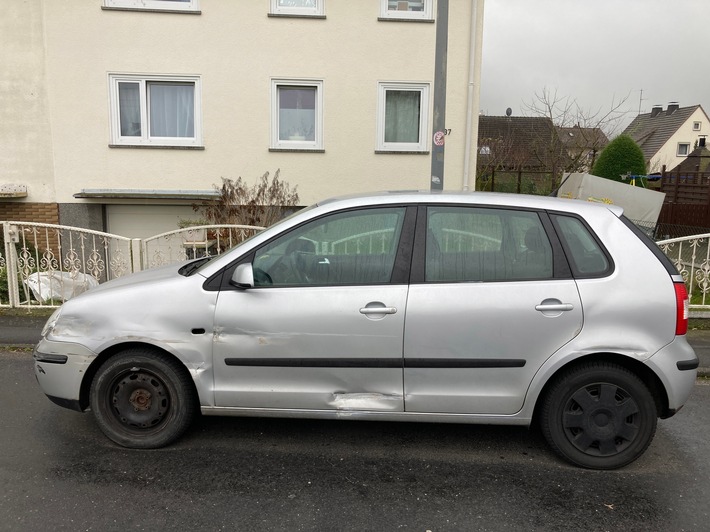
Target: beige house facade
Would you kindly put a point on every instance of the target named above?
(123, 113)
(667, 136)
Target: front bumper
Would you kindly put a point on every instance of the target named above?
(60, 368)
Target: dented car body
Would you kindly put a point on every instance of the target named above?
(449, 307)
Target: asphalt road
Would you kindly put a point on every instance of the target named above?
(58, 472)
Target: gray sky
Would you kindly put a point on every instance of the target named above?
(594, 51)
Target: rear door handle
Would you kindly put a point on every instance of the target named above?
(554, 307)
(378, 310)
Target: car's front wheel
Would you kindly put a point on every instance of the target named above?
(599, 415)
(142, 399)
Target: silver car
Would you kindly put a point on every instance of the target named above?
(440, 307)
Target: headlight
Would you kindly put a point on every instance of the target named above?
(51, 322)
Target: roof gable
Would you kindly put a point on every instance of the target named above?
(652, 130)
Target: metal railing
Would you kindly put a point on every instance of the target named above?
(691, 257)
(42, 265)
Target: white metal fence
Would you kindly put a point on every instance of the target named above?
(691, 256)
(42, 265)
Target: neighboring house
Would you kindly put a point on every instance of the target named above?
(520, 143)
(118, 115)
(667, 137)
(583, 144)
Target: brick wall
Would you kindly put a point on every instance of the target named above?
(44, 213)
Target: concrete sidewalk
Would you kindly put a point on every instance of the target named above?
(24, 331)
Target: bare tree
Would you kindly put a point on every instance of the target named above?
(262, 204)
(583, 131)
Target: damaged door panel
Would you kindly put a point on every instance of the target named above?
(310, 348)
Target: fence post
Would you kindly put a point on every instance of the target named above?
(13, 288)
(136, 255)
(520, 178)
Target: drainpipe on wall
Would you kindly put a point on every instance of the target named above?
(473, 95)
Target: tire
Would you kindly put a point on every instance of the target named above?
(599, 416)
(143, 399)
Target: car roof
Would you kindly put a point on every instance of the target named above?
(473, 198)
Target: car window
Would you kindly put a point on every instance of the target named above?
(354, 247)
(586, 254)
(476, 244)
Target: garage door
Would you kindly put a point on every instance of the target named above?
(143, 221)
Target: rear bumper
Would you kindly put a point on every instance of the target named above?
(676, 365)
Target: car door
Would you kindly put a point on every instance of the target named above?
(322, 328)
(492, 299)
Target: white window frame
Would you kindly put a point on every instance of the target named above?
(193, 6)
(422, 144)
(696, 126)
(276, 143)
(145, 139)
(425, 14)
(686, 145)
(318, 9)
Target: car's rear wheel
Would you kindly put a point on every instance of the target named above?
(142, 399)
(599, 415)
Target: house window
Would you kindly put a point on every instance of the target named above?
(407, 10)
(402, 118)
(683, 149)
(696, 126)
(312, 8)
(155, 111)
(191, 6)
(297, 114)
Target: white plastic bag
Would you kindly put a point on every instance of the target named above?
(59, 286)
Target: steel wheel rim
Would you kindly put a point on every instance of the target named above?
(601, 419)
(139, 399)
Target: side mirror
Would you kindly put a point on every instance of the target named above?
(243, 276)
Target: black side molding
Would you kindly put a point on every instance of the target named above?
(432, 363)
(687, 365)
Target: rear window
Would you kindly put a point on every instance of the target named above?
(587, 257)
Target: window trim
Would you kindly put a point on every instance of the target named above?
(296, 145)
(145, 140)
(422, 145)
(697, 126)
(297, 11)
(168, 6)
(687, 149)
(425, 15)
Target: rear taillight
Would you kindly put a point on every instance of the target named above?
(681, 313)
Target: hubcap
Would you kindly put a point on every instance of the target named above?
(601, 419)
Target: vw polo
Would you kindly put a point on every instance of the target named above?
(444, 307)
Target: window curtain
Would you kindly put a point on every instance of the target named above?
(297, 113)
(129, 109)
(172, 109)
(402, 116)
